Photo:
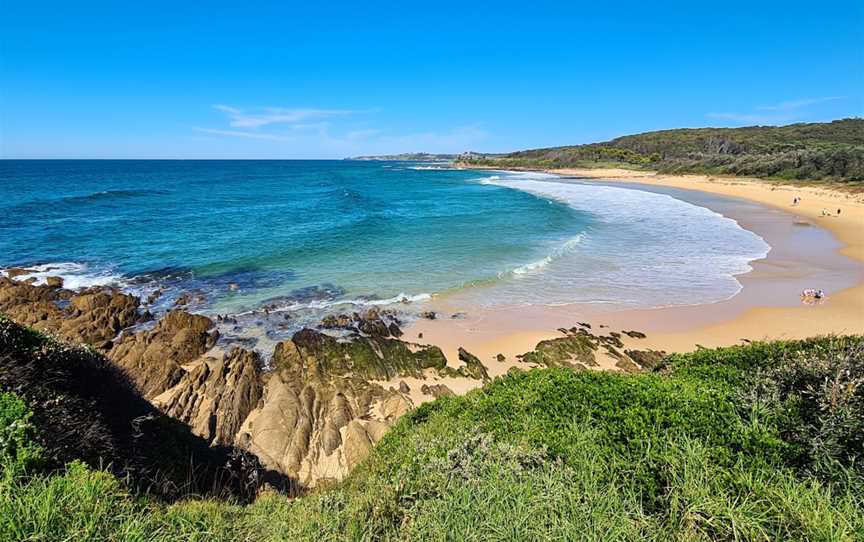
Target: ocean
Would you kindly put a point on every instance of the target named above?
(310, 237)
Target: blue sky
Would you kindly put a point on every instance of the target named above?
(329, 79)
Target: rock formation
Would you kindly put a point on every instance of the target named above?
(214, 395)
(153, 358)
(315, 411)
(578, 349)
(94, 316)
(319, 415)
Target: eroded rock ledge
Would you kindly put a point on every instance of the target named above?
(312, 414)
(315, 410)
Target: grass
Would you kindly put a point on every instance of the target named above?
(704, 448)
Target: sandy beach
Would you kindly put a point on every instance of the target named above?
(808, 250)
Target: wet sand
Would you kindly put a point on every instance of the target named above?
(808, 251)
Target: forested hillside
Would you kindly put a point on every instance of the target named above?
(831, 151)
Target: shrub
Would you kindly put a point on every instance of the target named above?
(816, 399)
(19, 451)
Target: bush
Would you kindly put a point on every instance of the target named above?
(741, 443)
(816, 400)
(19, 451)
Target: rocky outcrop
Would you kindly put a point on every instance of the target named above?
(374, 322)
(312, 413)
(86, 409)
(578, 348)
(646, 359)
(153, 358)
(369, 358)
(473, 368)
(575, 350)
(436, 390)
(318, 417)
(94, 316)
(215, 395)
(97, 317)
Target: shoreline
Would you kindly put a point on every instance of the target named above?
(767, 306)
(757, 312)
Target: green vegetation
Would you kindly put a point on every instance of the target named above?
(19, 451)
(61, 403)
(756, 442)
(820, 151)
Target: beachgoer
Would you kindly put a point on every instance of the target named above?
(838, 212)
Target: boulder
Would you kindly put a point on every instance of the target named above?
(153, 358)
(93, 317)
(473, 367)
(436, 390)
(320, 355)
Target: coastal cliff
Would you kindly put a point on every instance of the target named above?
(314, 409)
(312, 414)
(761, 441)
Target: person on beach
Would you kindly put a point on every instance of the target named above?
(811, 296)
(838, 212)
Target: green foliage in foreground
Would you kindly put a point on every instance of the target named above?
(832, 151)
(760, 442)
(19, 451)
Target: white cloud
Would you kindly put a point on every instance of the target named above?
(330, 132)
(792, 105)
(780, 113)
(276, 115)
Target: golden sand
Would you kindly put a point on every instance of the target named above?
(766, 308)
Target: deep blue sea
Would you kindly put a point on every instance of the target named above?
(314, 235)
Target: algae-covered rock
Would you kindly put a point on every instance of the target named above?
(647, 359)
(473, 367)
(576, 347)
(436, 390)
(370, 358)
(374, 322)
(626, 364)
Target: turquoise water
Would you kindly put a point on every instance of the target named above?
(310, 230)
(314, 235)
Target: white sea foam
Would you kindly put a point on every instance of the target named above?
(402, 298)
(540, 264)
(74, 275)
(642, 249)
